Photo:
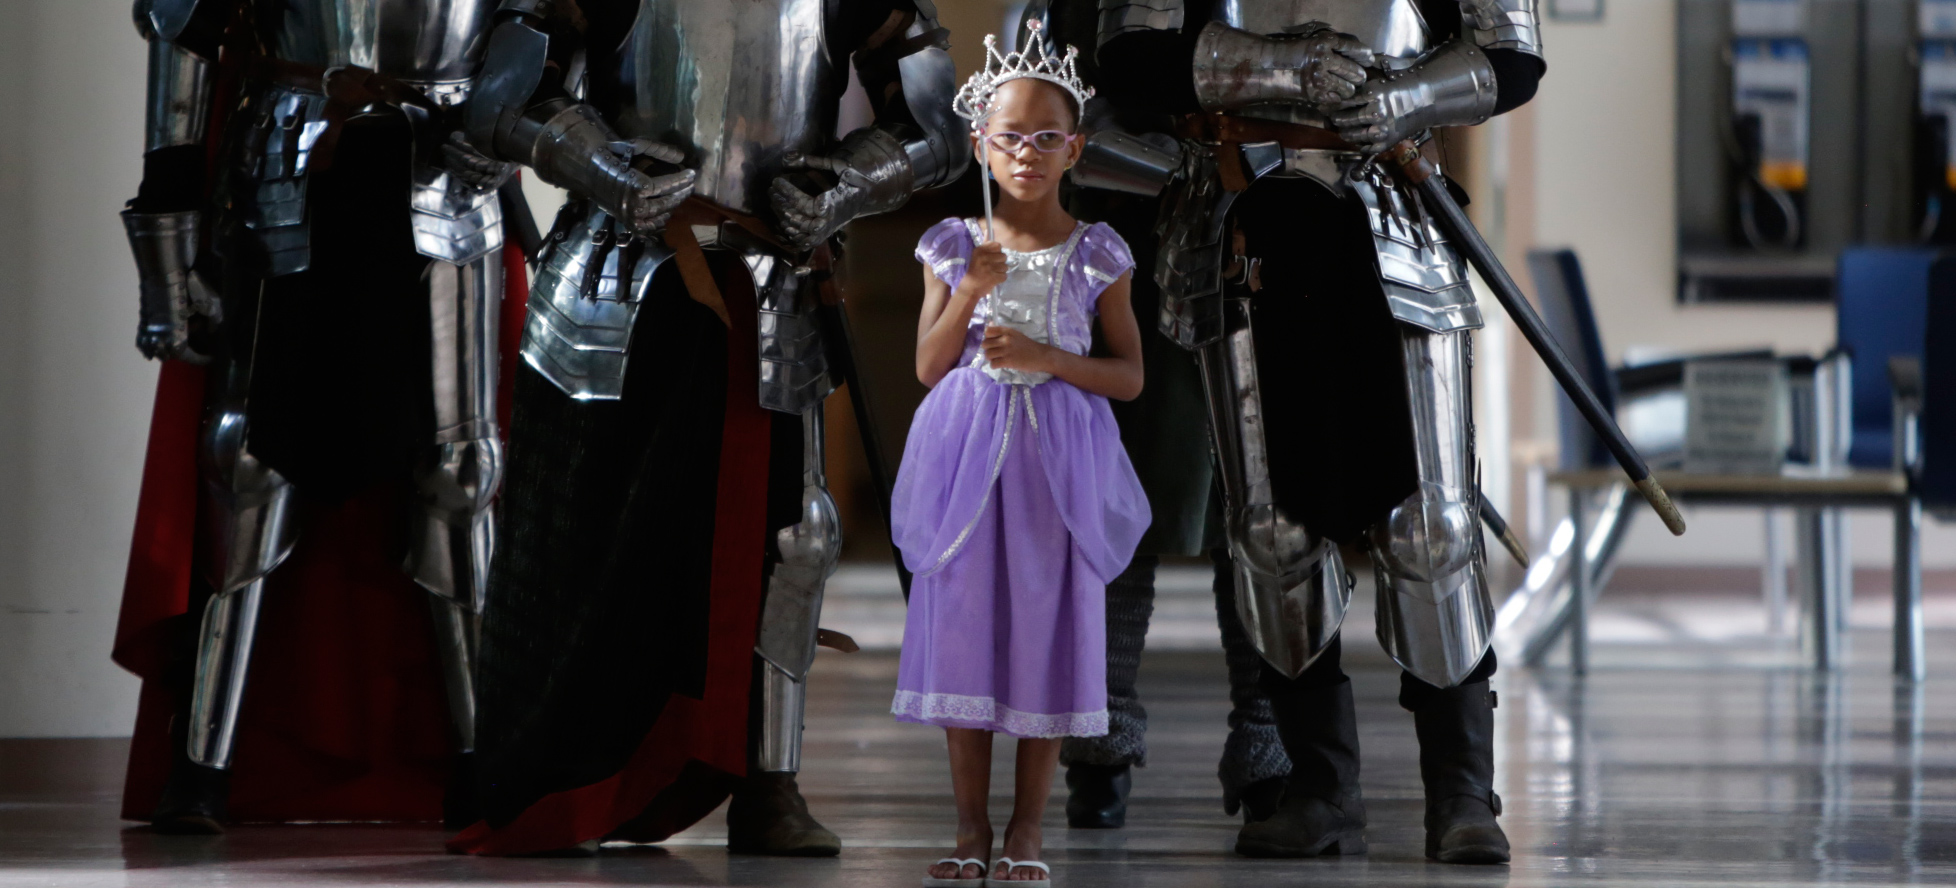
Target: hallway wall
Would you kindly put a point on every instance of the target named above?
(74, 392)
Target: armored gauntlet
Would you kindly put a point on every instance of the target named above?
(572, 148)
(873, 175)
(165, 245)
(1454, 86)
(1318, 67)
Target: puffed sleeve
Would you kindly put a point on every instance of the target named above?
(1106, 257)
(944, 249)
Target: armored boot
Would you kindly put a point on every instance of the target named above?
(1322, 811)
(1096, 795)
(769, 816)
(1456, 764)
(194, 799)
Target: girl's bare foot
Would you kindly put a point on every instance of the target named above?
(1022, 842)
(970, 845)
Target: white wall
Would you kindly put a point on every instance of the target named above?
(74, 393)
(1604, 167)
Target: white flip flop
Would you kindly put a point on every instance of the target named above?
(934, 882)
(1011, 864)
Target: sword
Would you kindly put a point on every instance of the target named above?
(1502, 531)
(1453, 221)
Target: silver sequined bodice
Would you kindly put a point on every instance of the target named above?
(1024, 303)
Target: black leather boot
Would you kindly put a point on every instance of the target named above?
(1456, 764)
(1322, 811)
(1259, 800)
(1096, 795)
(194, 799)
(769, 816)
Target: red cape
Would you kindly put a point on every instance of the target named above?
(345, 716)
(685, 765)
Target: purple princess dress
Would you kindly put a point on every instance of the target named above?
(1014, 506)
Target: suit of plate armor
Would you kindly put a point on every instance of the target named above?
(316, 63)
(1342, 80)
(747, 93)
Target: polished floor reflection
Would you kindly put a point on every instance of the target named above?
(1673, 764)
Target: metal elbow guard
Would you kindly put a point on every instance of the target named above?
(1137, 164)
(936, 152)
(1119, 17)
(1503, 24)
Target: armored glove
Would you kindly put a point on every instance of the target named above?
(1452, 87)
(872, 175)
(473, 168)
(571, 148)
(1318, 66)
(174, 296)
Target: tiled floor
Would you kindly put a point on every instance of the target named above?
(1683, 760)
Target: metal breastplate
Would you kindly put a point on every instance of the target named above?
(1394, 29)
(735, 83)
(432, 44)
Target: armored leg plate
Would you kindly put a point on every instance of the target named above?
(1434, 616)
(1291, 590)
(804, 556)
(455, 644)
(223, 660)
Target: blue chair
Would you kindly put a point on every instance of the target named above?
(1563, 297)
(1936, 483)
(1881, 299)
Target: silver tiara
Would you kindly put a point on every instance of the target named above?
(974, 101)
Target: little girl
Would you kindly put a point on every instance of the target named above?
(1016, 503)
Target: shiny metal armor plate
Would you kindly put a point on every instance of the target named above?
(1424, 277)
(1394, 29)
(432, 44)
(803, 556)
(734, 84)
(1291, 586)
(1118, 17)
(1503, 24)
(1188, 268)
(590, 281)
(1434, 615)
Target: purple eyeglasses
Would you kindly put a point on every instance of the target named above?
(1044, 141)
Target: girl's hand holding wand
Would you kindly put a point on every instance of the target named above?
(947, 312)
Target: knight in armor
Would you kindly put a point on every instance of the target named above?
(1330, 319)
(666, 531)
(327, 308)
(1165, 435)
